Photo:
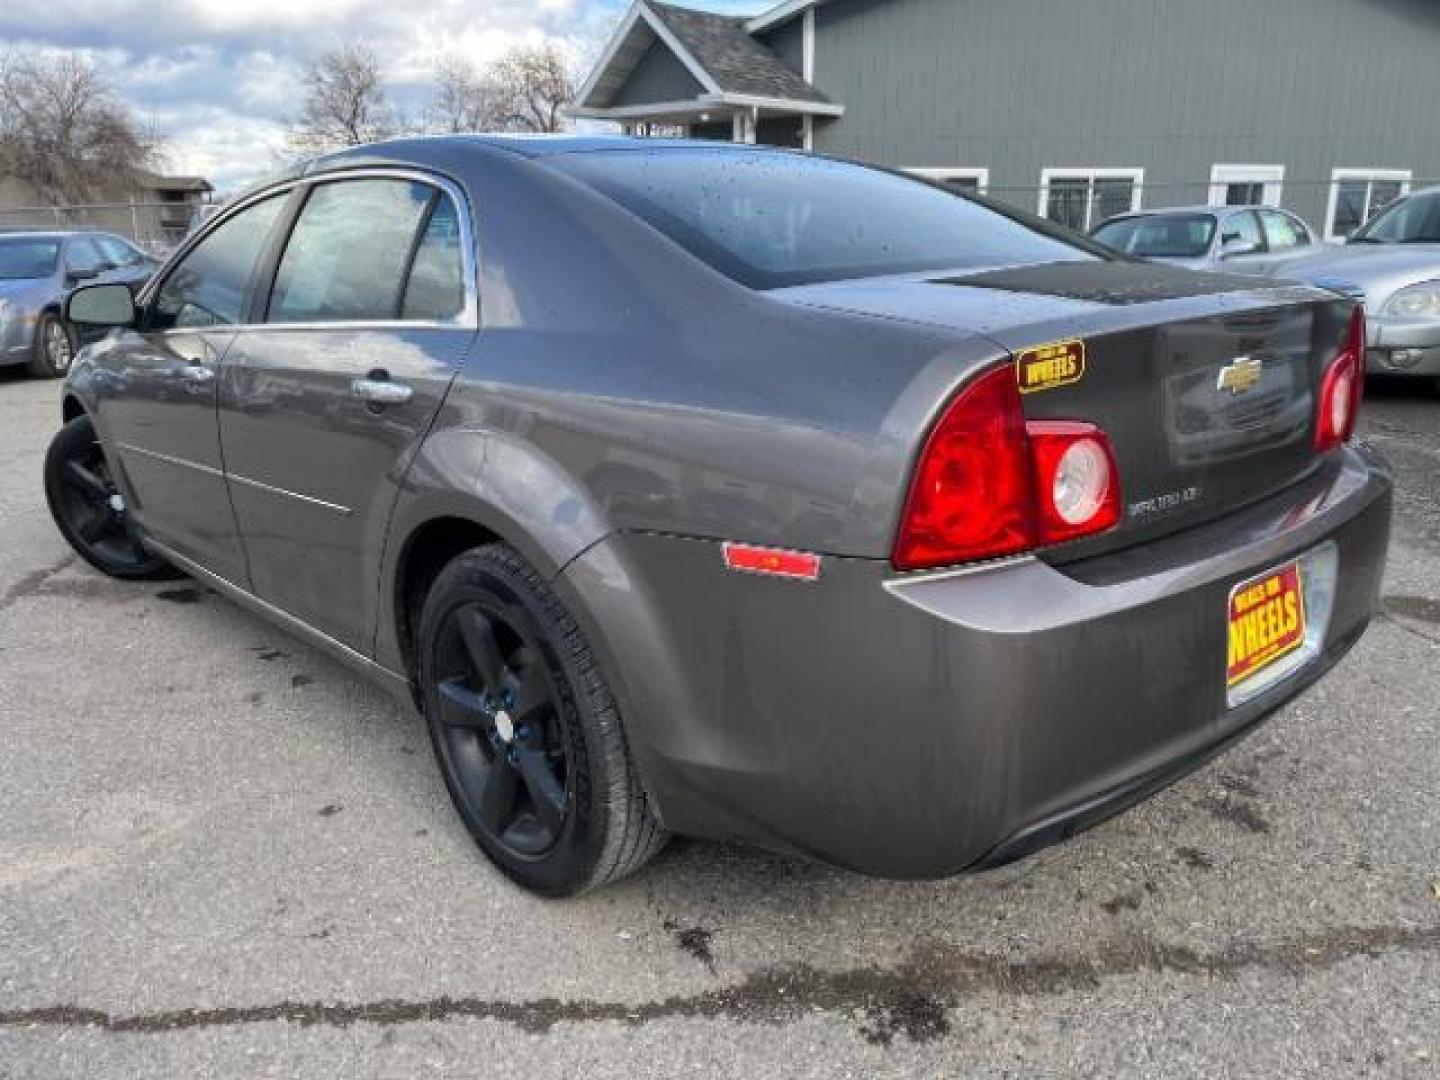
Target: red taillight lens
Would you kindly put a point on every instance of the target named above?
(989, 484)
(1077, 485)
(972, 495)
(1341, 388)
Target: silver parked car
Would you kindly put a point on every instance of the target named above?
(36, 271)
(1238, 239)
(1393, 264)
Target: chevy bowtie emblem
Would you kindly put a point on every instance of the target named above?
(1241, 375)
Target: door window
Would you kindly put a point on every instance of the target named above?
(209, 285)
(118, 253)
(436, 289)
(1243, 227)
(82, 255)
(351, 250)
(1282, 232)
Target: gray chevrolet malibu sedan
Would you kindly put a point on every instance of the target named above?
(738, 492)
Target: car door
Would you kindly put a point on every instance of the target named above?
(371, 310)
(157, 391)
(1243, 227)
(83, 260)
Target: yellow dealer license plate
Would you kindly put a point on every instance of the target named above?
(1267, 621)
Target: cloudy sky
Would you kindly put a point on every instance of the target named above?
(218, 80)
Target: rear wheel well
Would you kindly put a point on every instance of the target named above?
(428, 551)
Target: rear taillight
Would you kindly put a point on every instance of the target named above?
(988, 484)
(1341, 388)
(1076, 482)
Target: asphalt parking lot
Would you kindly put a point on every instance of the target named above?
(223, 855)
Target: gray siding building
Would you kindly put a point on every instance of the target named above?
(1077, 110)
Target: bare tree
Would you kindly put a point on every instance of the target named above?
(464, 98)
(63, 130)
(530, 85)
(345, 102)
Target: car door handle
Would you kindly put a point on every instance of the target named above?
(381, 391)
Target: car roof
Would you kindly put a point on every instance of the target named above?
(27, 234)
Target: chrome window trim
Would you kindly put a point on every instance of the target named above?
(468, 317)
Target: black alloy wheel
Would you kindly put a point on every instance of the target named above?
(90, 509)
(527, 734)
(499, 713)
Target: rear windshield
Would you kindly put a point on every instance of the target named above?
(21, 259)
(770, 219)
(1174, 236)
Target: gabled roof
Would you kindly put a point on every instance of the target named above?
(739, 63)
(731, 66)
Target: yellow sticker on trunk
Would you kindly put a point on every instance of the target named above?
(1049, 366)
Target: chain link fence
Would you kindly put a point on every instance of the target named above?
(154, 226)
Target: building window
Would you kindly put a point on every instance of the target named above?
(969, 181)
(1081, 199)
(1246, 185)
(1357, 195)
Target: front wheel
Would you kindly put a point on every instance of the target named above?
(54, 347)
(89, 509)
(526, 731)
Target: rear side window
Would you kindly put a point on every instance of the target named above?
(351, 249)
(208, 286)
(770, 219)
(117, 252)
(436, 289)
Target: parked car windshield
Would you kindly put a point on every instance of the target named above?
(770, 219)
(1172, 236)
(21, 259)
(1410, 221)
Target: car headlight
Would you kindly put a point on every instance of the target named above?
(1416, 302)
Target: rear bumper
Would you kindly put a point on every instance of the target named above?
(919, 725)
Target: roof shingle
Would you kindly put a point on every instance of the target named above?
(735, 60)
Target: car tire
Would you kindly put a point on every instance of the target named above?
(54, 348)
(525, 729)
(89, 510)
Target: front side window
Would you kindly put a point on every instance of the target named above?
(1357, 196)
(208, 287)
(350, 252)
(1282, 232)
(771, 219)
(82, 256)
(1173, 236)
(1080, 199)
(117, 252)
(1243, 228)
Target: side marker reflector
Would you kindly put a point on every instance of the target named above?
(777, 562)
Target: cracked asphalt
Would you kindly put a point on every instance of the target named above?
(223, 855)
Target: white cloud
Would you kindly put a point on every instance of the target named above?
(219, 79)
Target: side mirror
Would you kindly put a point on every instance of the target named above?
(1237, 245)
(82, 273)
(101, 305)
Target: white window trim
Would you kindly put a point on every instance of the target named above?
(1270, 176)
(1405, 176)
(1091, 174)
(980, 176)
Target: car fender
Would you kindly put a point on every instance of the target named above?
(499, 483)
